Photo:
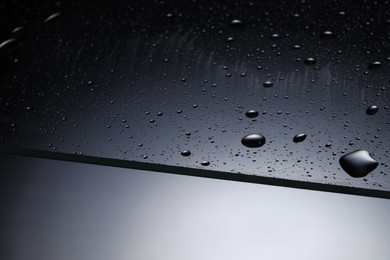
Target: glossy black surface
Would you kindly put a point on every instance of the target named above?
(146, 80)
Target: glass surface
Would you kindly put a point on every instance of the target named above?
(173, 84)
(61, 210)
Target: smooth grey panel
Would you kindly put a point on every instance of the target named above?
(145, 80)
(62, 210)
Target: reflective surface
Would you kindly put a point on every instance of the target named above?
(144, 82)
(61, 210)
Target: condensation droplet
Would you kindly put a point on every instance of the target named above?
(236, 22)
(268, 84)
(51, 17)
(253, 140)
(327, 34)
(310, 61)
(205, 163)
(252, 114)
(185, 153)
(374, 65)
(358, 163)
(299, 138)
(372, 110)
(7, 43)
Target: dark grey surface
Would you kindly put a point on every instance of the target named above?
(93, 78)
(62, 210)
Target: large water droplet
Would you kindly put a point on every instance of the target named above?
(310, 61)
(185, 153)
(326, 34)
(374, 65)
(52, 17)
(253, 140)
(372, 110)
(252, 113)
(358, 163)
(205, 163)
(299, 138)
(7, 43)
(268, 84)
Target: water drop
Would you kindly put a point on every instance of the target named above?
(51, 17)
(358, 163)
(326, 34)
(374, 65)
(7, 43)
(17, 29)
(252, 114)
(236, 22)
(230, 39)
(268, 84)
(310, 61)
(185, 153)
(372, 110)
(299, 138)
(205, 163)
(253, 140)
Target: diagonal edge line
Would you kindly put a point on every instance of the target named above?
(195, 172)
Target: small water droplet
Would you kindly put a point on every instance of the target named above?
(185, 153)
(230, 39)
(372, 110)
(310, 61)
(268, 84)
(252, 113)
(299, 138)
(253, 140)
(358, 163)
(205, 163)
(326, 34)
(236, 22)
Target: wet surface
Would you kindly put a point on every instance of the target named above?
(146, 81)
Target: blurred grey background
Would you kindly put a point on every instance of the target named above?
(56, 210)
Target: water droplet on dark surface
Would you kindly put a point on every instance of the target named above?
(358, 163)
(52, 17)
(205, 163)
(299, 138)
(236, 22)
(310, 61)
(372, 110)
(253, 140)
(17, 29)
(230, 39)
(185, 153)
(252, 114)
(268, 84)
(374, 65)
(326, 34)
(7, 43)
